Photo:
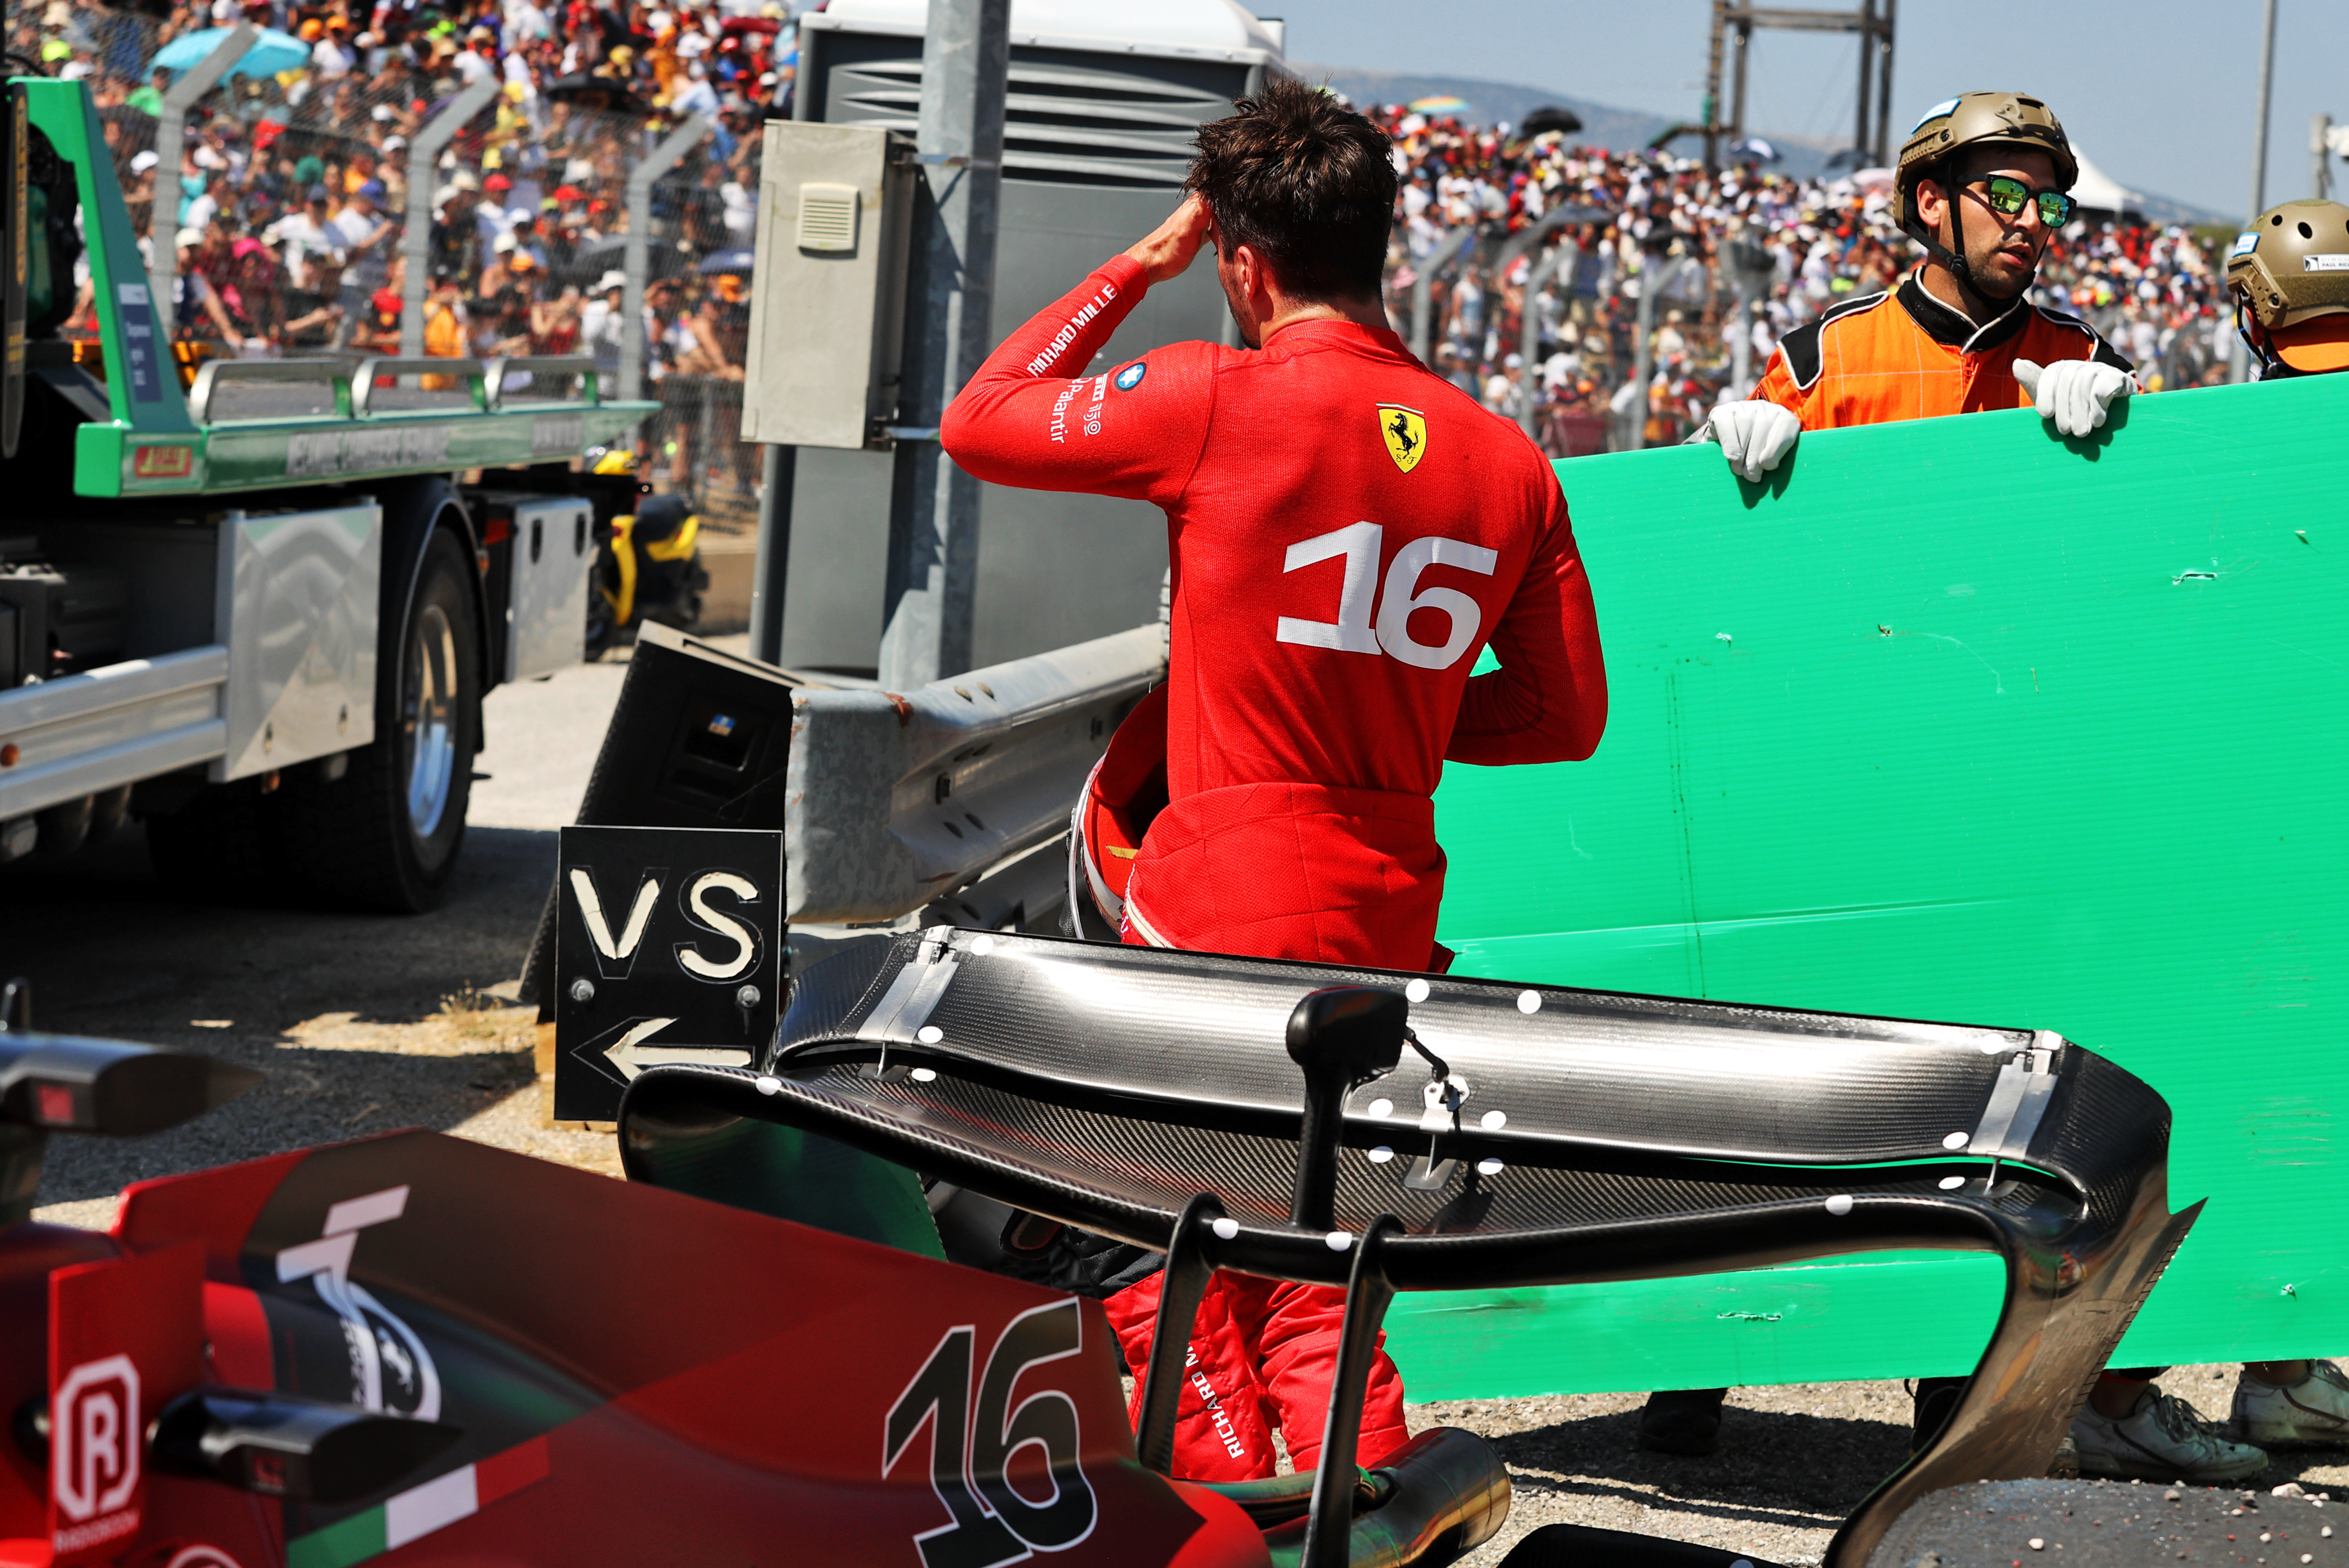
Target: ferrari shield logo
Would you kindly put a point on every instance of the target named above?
(1405, 432)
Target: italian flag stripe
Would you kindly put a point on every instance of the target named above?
(420, 1510)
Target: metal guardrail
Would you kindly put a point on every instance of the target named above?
(899, 799)
(213, 372)
(363, 380)
(493, 375)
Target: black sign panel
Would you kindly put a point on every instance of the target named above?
(668, 948)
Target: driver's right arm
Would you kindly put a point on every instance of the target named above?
(1031, 417)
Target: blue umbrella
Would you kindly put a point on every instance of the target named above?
(272, 52)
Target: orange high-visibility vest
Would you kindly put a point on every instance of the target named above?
(1904, 355)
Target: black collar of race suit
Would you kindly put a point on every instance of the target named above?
(1952, 327)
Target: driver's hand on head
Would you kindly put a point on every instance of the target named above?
(1755, 435)
(2076, 396)
(1171, 247)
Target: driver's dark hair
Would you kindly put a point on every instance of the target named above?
(1304, 182)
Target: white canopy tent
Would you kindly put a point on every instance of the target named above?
(2098, 192)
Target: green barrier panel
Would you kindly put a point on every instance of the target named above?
(1957, 720)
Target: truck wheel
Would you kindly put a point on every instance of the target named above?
(387, 833)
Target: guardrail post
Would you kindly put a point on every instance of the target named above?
(423, 178)
(638, 257)
(170, 135)
(934, 505)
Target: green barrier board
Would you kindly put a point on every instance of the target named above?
(1957, 720)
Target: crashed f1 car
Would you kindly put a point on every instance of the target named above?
(416, 1348)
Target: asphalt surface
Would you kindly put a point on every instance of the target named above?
(366, 1022)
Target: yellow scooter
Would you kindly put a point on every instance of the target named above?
(647, 566)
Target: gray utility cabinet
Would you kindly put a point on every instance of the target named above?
(1096, 144)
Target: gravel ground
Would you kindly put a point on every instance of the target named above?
(365, 1024)
(2106, 1524)
(1793, 1460)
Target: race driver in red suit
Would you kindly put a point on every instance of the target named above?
(1348, 532)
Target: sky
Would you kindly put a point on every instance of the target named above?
(2160, 94)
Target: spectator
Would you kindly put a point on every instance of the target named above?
(447, 332)
(600, 322)
(454, 247)
(473, 63)
(331, 57)
(195, 298)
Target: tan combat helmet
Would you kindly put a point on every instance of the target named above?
(2290, 272)
(1975, 119)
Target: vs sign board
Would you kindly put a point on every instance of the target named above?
(668, 948)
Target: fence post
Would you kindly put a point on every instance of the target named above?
(170, 135)
(423, 177)
(638, 257)
(1437, 259)
(1529, 321)
(1654, 281)
(934, 505)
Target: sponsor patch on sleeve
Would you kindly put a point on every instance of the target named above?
(1131, 377)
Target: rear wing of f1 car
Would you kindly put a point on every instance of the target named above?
(1504, 1136)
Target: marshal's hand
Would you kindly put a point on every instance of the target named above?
(1171, 247)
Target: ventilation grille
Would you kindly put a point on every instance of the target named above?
(1065, 118)
(828, 218)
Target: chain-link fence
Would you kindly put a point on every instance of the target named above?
(1658, 288)
(324, 198)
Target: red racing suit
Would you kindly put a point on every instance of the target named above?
(1347, 533)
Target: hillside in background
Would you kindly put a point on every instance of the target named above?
(1620, 130)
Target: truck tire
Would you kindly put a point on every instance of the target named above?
(385, 835)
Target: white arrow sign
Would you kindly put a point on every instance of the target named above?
(632, 1060)
(630, 1055)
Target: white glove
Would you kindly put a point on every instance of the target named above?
(2073, 395)
(1754, 434)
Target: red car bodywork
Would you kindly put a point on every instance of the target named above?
(639, 1376)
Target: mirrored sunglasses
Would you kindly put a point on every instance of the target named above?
(2006, 197)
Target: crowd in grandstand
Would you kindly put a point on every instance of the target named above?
(2153, 291)
(293, 184)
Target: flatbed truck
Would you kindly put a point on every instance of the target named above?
(257, 607)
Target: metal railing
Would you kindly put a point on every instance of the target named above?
(900, 799)
(213, 372)
(391, 367)
(583, 365)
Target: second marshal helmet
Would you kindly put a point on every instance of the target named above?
(1978, 119)
(2291, 271)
